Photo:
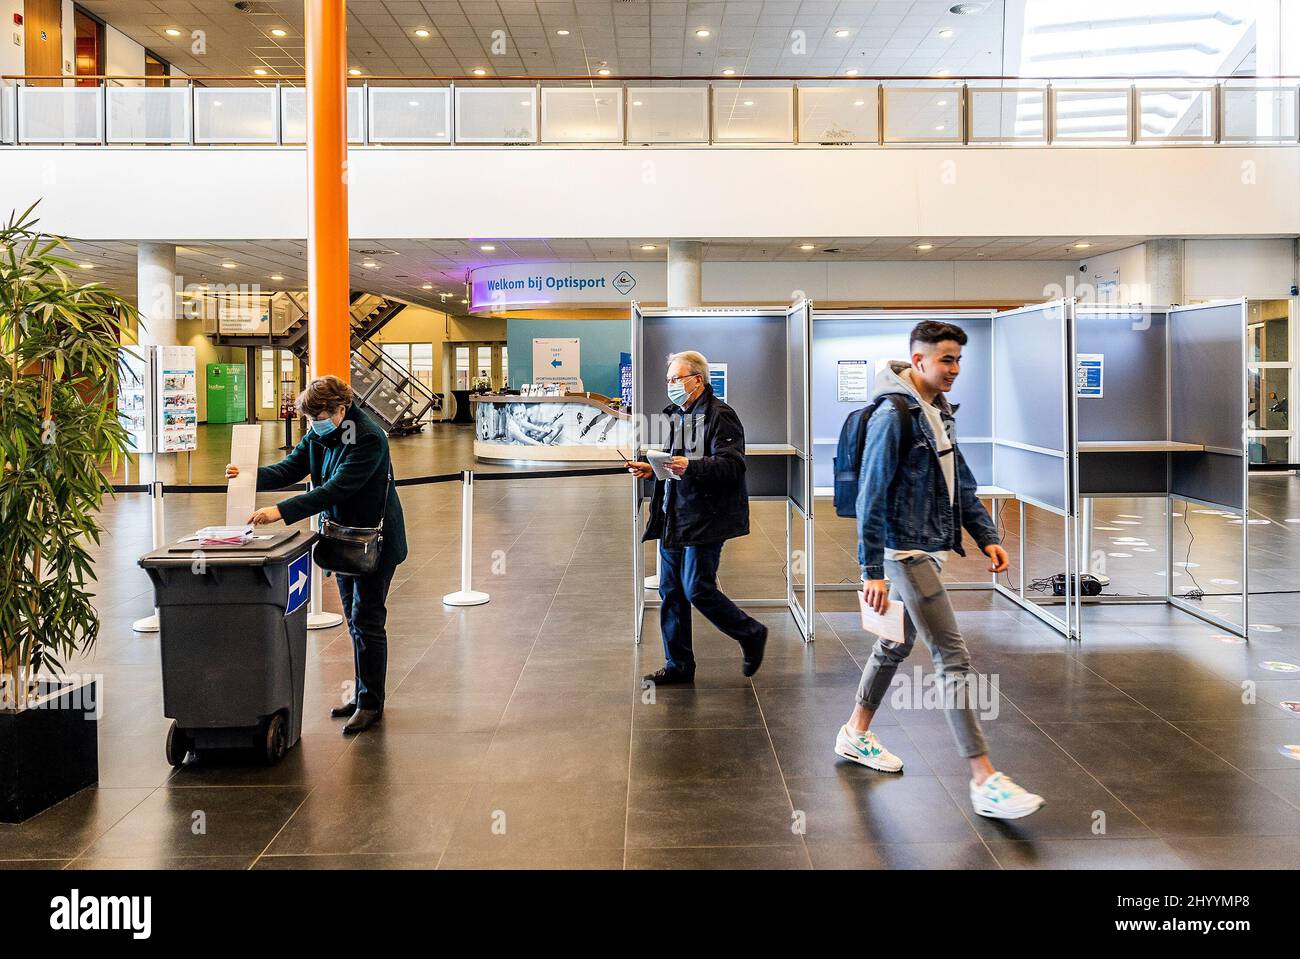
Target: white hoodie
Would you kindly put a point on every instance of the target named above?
(902, 373)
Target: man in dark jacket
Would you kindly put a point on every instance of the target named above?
(693, 514)
(346, 455)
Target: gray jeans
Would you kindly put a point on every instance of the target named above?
(916, 582)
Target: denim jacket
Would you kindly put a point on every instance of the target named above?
(906, 506)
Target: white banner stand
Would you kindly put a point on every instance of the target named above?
(149, 624)
(466, 595)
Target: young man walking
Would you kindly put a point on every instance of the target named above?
(912, 506)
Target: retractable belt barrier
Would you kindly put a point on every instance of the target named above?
(466, 595)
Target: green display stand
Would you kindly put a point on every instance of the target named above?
(227, 393)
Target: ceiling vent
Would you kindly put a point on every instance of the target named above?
(256, 7)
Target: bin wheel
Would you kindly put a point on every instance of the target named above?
(178, 746)
(277, 739)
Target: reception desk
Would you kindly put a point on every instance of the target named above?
(577, 428)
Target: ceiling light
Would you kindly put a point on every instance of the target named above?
(86, 266)
(603, 73)
(807, 247)
(851, 73)
(945, 34)
(354, 72)
(259, 72)
(421, 33)
(939, 126)
(370, 265)
(859, 103)
(427, 286)
(941, 103)
(480, 72)
(172, 32)
(464, 301)
(701, 33)
(1082, 246)
(277, 32)
(925, 246)
(841, 33)
(636, 103)
(277, 277)
(229, 266)
(487, 247)
(561, 33)
(749, 103)
(728, 72)
(412, 103)
(216, 103)
(964, 9)
(647, 247)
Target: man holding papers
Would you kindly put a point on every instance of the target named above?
(912, 506)
(700, 501)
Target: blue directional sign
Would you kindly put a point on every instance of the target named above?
(299, 584)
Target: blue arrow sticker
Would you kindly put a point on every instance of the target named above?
(299, 584)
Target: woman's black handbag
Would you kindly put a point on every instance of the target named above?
(351, 550)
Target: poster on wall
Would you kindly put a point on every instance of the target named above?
(718, 380)
(1088, 372)
(625, 379)
(134, 398)
(178, 399)
(853, 381)
(558, 360)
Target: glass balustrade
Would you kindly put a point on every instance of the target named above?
(862, 113)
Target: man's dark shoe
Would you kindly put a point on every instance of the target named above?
(361, 720)
(668, 677)
(344, 711)
(754, 654)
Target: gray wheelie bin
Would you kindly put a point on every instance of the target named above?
(233, 634)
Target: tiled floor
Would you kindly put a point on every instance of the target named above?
(515, 734)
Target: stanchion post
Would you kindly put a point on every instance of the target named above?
(149, 624)
(466, 595)
(317, 617)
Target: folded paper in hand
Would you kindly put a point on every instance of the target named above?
(659, 463)
(889, 626)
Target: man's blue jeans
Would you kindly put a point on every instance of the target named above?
(689, 577)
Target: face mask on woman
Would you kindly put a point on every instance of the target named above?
(323, 428)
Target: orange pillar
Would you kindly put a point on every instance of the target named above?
(329, 328)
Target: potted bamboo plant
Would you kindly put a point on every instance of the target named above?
(59, 365)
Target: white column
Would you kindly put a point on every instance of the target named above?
(684, 274)
(1164, 270)
(685, 290)
(156, 302)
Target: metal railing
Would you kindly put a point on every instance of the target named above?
(834, 111)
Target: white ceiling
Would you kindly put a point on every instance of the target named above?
(886, 37)
(407, 265)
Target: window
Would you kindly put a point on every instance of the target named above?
(462, 368)
(1270, 370)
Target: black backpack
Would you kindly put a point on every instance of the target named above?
(848, 453)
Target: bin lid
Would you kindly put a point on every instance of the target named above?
(283, 546)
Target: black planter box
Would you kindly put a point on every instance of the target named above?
(49, 749)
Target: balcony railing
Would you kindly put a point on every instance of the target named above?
(656, 111)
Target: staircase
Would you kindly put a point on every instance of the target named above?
(384, 388)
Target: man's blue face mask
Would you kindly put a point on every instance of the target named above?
(323, 427)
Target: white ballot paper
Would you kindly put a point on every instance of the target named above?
(888, 627)
(241, 492)
(659, 461)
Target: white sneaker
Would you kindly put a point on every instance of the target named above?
(999, 798)
(866, 749)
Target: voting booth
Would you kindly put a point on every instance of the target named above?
(1161, 406)
(1061, 404)
(761, 358)
(1013, 427)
